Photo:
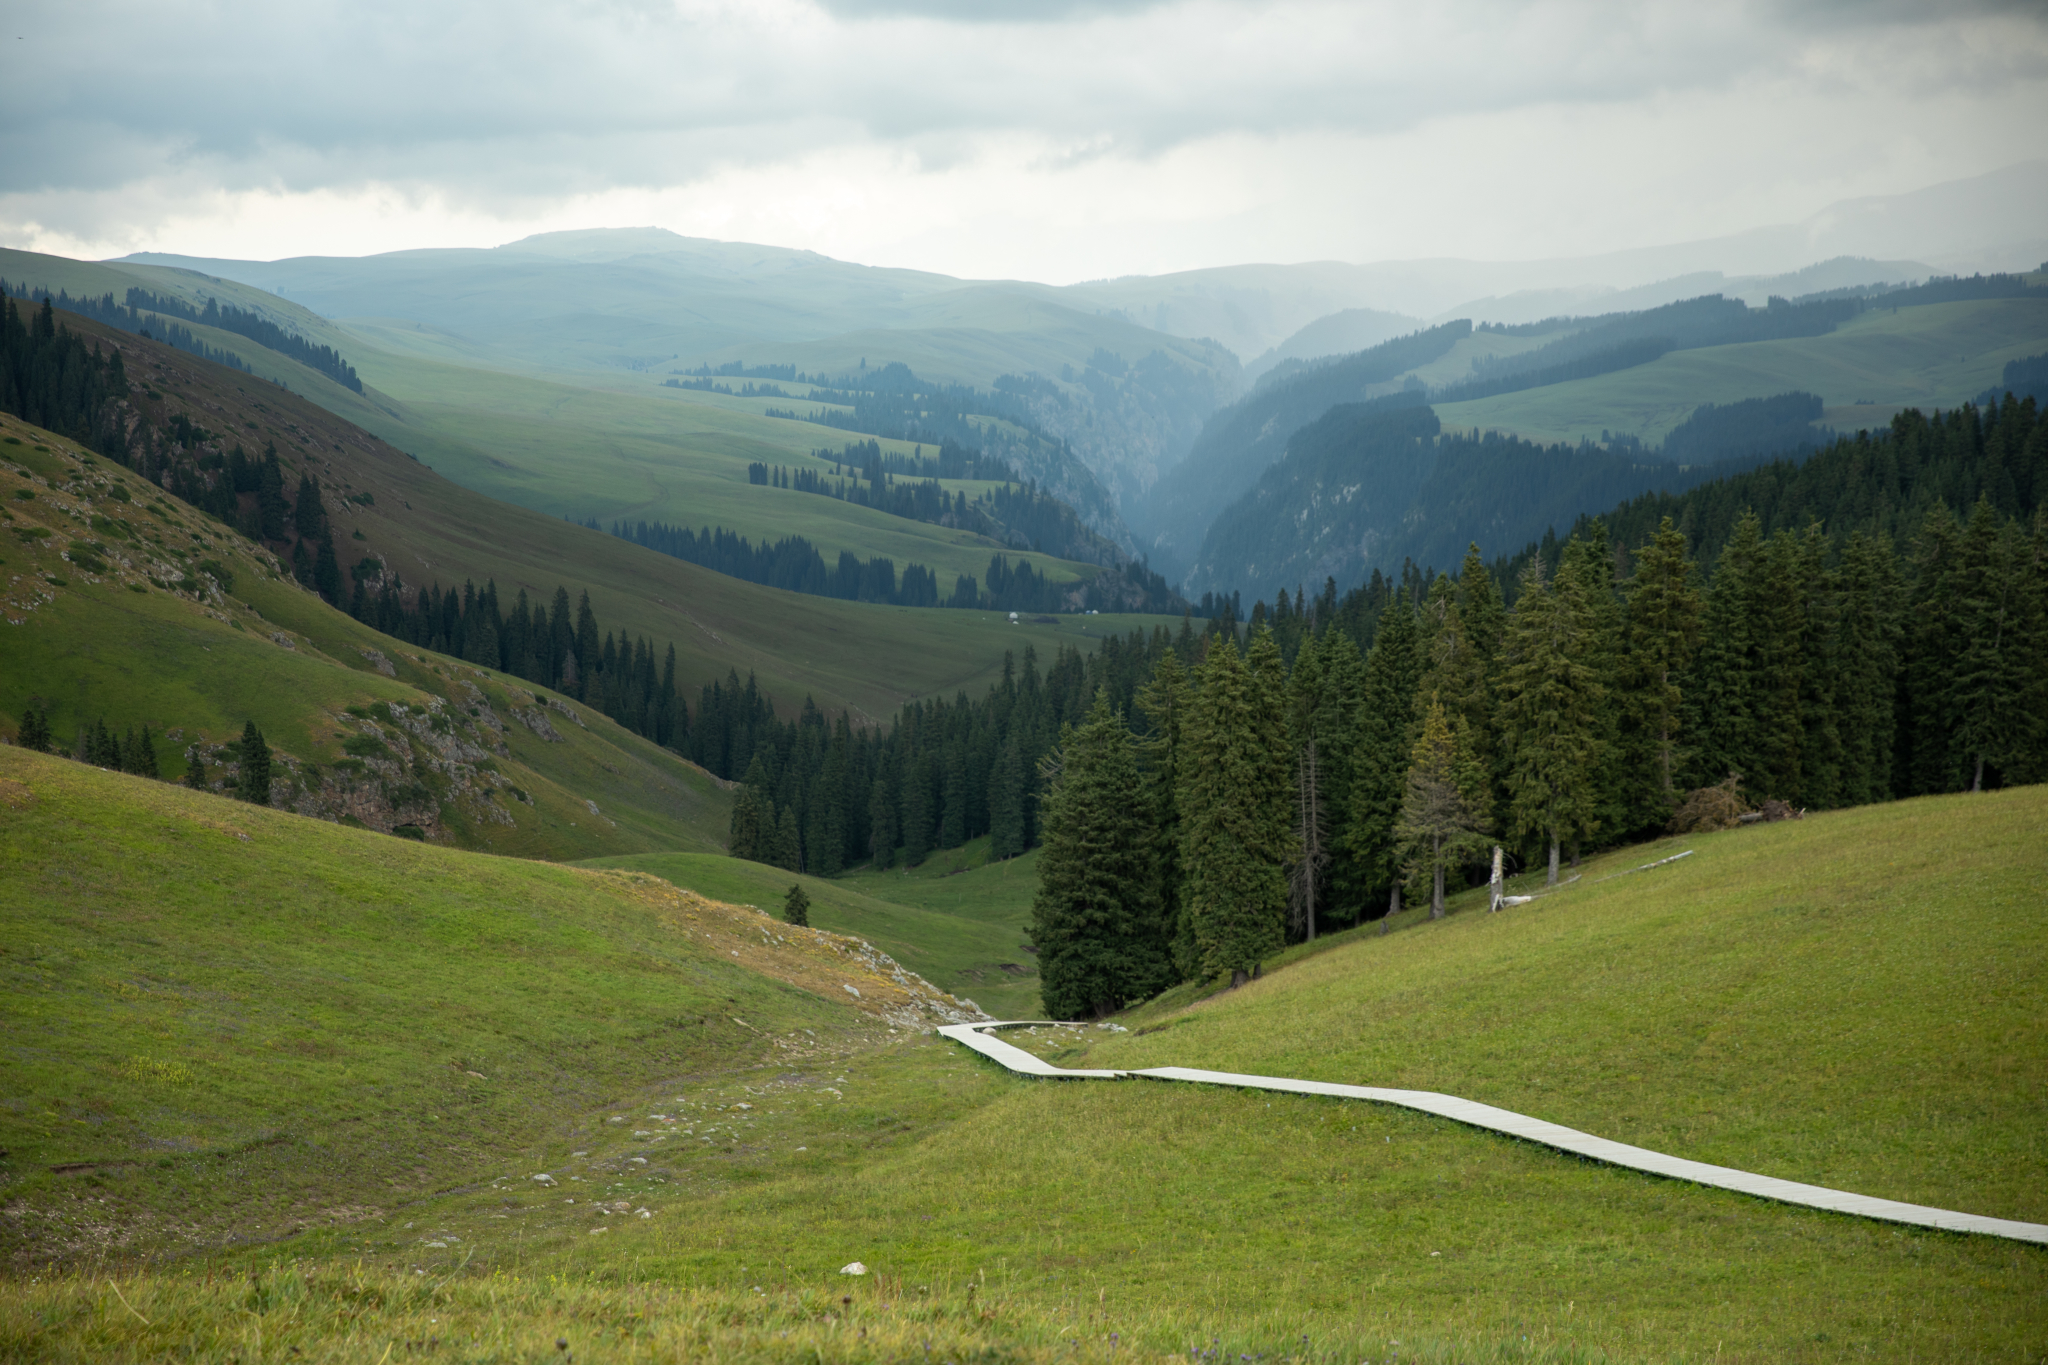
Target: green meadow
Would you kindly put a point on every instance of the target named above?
(864, 658)
(290, 1091)
(1935, 355)
(957, 920)
(655, 454)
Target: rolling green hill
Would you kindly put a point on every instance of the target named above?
(128, 608)
(1935, 355)
(601, 308)
(610, 446)
(317, 1073)
(864, 658)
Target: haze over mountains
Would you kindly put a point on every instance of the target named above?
(1126, 373)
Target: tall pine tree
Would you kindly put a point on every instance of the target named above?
(1443, 807)
(1663, 630)
(1384, 738)
(1235, 828)
(1095, 918)
(253, 783)
(1550, 700)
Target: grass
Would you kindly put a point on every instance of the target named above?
(1847, 1000)
(122, 646)
(1874, 1008)
(654, 454)
(958, 921)
(862, 658)
(227, 1024)
(1938, 355)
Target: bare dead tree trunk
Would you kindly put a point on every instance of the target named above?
(1553, 861)
(1393, 908)
(1436, 884)
(1977, 782)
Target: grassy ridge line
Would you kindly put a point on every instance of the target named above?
(1846, 1000)
(864, 658)
(115, 645)
(1934, 355)
(261, 1023)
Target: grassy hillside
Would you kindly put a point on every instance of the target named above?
(957, 920)
(660, 455)
(1785, 1000)
(612, 445)
(864, 658)
(232, 1024)
(127, 607)
(1848, 1000)
(1934, 355)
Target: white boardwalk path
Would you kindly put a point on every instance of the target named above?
(1532, 1130)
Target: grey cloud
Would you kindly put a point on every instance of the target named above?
(535, 100)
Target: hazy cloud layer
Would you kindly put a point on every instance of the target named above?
(1048, 139)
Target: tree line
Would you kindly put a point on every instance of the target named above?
(794, 564)
(135, 752)
(153, 314)
(1275, 796)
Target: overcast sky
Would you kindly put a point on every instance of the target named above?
(1039, 140)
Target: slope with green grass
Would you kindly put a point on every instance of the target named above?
(958, 920)
(559, 439)
(233, 1023)
(125, 607)
(1936, 355)
(864, 658)
(1788, 999)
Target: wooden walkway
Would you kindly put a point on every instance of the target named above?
(1532, 1130)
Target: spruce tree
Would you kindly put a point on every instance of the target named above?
(309, 519)
(1780, 668)
(1719, 702)
(1337, 736)
(253, 784)
(138, 752)
(751, 816)
(920, 797)
(106, 748)
(195, 770)
(1095, 917)
(1235, 832)
(1164, 701)
(1550, 700)
(327, 575)
(789, 848)
(1866, 668)
(883, 837)
(1006, 802)
(1663, 629)
(1443, 807)
(1934, 642)
(1381, 752)
(1987, 682)
(35, 730)
(1588, 561)
(796, 907)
